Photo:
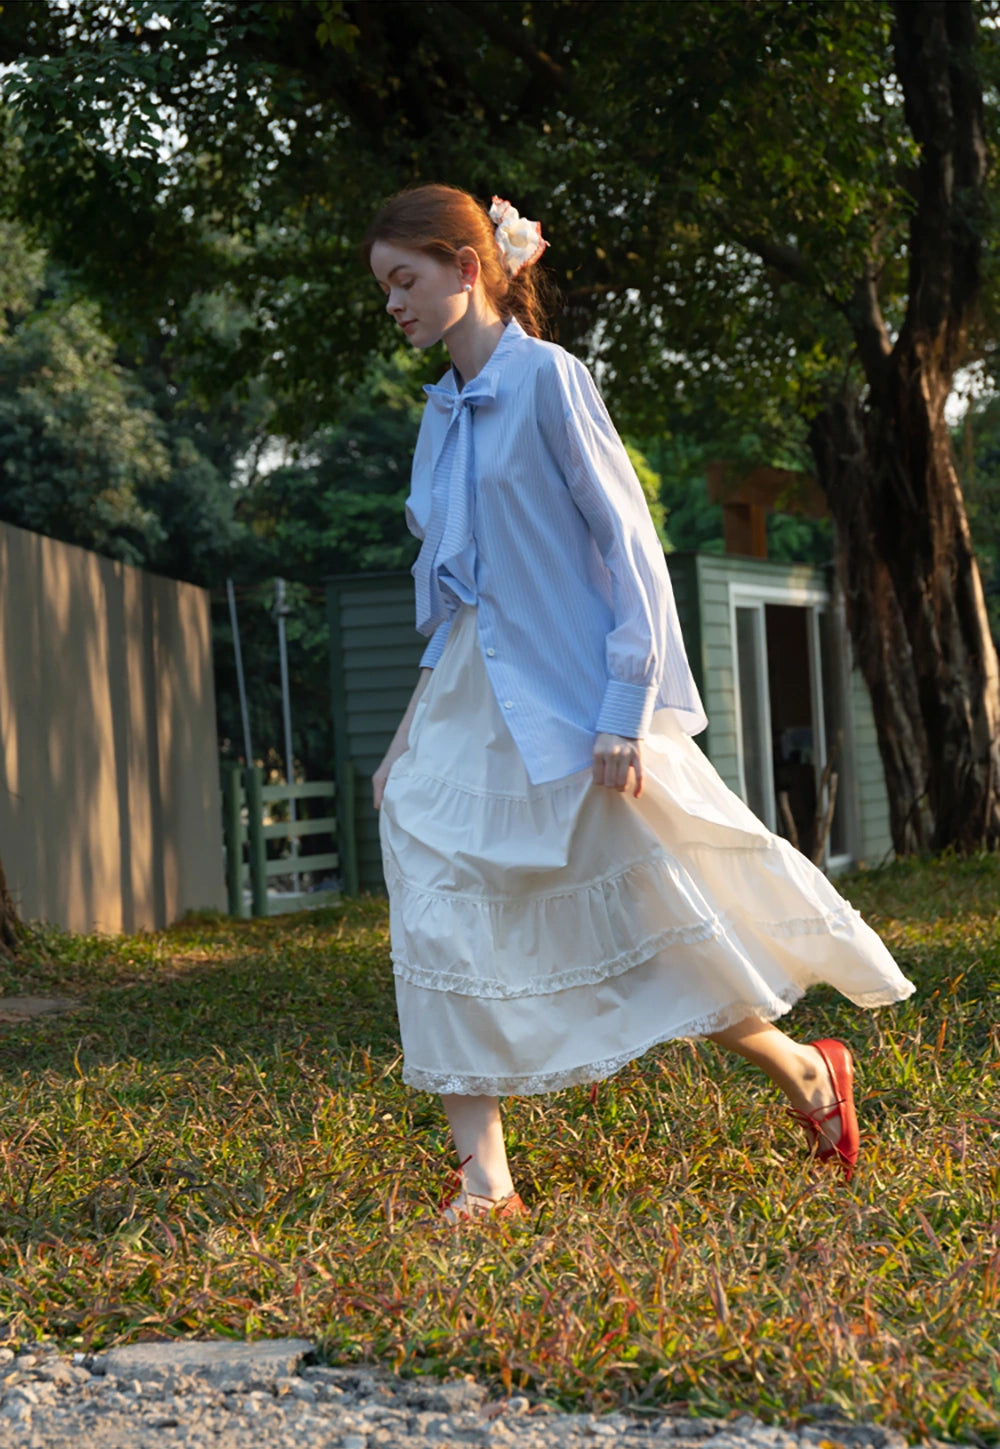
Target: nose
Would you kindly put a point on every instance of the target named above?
(393, 304)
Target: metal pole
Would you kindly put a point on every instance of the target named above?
(281, 610)
(248, 752)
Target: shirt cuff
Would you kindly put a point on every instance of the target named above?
(627, 709)
(435, 648)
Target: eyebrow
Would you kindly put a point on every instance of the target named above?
(399, 267)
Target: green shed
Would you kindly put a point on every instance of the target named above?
(769, 650)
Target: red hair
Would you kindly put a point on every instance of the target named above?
(441, 220)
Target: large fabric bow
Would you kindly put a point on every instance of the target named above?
(453, 494)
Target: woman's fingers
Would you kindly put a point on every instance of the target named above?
(638, 772)
(378, 784)
(617, 761)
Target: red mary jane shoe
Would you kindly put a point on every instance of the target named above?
(840, 1065)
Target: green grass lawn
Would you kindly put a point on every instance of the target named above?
(219, 1143)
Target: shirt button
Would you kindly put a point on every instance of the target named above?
(491, 652)
(508, 704)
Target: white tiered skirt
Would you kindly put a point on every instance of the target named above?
(546, 935)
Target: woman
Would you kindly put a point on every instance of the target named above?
(570, 881)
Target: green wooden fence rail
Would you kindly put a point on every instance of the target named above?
(245, 834)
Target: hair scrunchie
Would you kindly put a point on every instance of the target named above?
(520, 241)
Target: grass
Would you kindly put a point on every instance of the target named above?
(219, 1143)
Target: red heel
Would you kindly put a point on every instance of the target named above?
(840, 1065)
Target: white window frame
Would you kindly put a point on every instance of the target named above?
(813, 598)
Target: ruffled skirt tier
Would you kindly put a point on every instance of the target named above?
(546, 935)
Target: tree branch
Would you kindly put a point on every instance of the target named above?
(862, 310)
(514, 39)
(933, 42)
(786, 259)
(864, 315)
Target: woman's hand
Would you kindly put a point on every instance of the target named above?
(400, 740)
(617, 761)
(398, 747)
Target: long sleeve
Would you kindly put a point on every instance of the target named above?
(604, 487)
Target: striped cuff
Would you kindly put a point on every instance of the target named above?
(435, 648)
(627, 709)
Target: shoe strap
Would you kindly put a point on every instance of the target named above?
(818, 1115)
(455, 1185)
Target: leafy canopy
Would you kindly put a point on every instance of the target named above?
(718, 181)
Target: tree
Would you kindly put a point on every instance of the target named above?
(883, 450)
(75, 443)
(782, 208)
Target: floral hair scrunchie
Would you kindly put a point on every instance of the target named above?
(520, 240)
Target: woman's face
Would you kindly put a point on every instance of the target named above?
(425, 296)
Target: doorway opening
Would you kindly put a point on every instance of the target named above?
(790, 689)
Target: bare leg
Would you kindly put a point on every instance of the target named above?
(478, 1133)
(798, 1070)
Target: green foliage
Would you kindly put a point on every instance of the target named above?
(77, 445)
(652, 487)
(718, 178)
(339, 507)
(128, 460)
(682, 462)
(219, 1143)
(336, 508)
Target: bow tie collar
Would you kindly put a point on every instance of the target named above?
(481, 389)
(453, 492)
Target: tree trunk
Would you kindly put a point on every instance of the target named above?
(916, 614)
(11, 929)
(914, 597)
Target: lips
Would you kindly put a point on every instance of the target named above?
(406, 326)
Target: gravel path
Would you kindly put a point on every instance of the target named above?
(48, 1400)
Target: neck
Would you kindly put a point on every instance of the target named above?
(472, 340)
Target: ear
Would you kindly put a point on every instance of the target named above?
(469, 267)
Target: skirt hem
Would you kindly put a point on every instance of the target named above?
(537, 1083)
(464, 1084)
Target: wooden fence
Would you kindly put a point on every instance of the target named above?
(246, 801)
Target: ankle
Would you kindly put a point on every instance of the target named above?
(489, 1187)
(807, 1085)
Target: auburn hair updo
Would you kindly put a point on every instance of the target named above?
(441, 220)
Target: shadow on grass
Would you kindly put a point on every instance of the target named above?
(319, 984)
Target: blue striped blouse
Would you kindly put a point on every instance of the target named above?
(528, 507)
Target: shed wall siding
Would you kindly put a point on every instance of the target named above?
(715, 575)
(374, 658)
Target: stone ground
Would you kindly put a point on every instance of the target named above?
(243, 1395)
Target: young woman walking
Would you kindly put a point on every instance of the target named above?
(570, 881)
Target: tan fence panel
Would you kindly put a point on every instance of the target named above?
(109, 779)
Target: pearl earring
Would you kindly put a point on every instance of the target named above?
(467, 287)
